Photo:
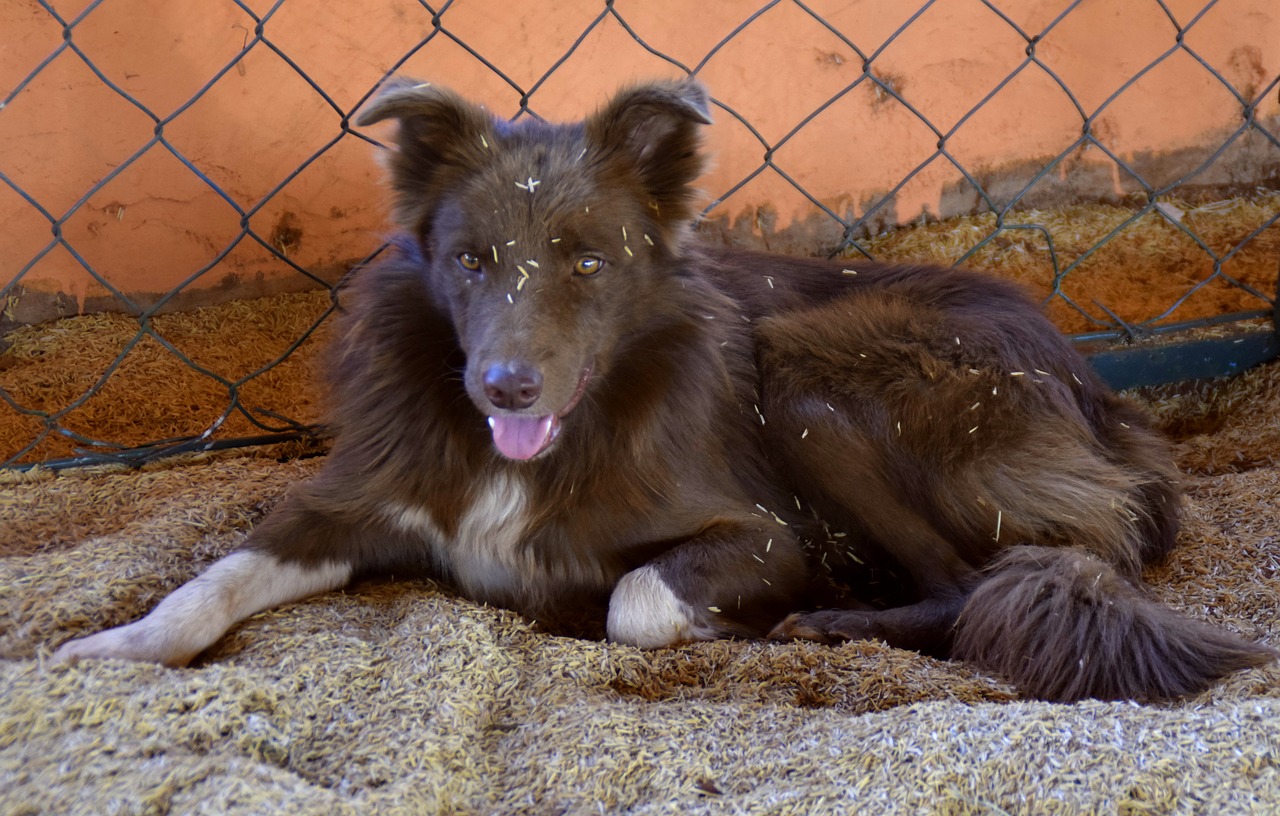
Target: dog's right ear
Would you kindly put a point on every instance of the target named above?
(440, 136)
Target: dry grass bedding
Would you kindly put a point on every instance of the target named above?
(404, 698)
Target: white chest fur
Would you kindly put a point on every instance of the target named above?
(488, 558)
(485, 557)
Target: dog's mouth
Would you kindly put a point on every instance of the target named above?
(524, 436)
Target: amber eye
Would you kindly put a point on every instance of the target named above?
(587, 266)
(469, 261)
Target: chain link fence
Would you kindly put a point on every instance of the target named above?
(1002, 214)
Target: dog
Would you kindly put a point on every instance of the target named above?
(553, 396)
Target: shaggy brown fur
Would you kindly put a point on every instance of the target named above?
(555, 398)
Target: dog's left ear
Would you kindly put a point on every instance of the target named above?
(654, 128)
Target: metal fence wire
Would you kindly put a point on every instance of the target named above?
(854, 232)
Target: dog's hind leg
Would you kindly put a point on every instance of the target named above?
(854, 416)
(855, 495)
(925, 626)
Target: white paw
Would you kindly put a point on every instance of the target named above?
(201, 611)
(131, 642)
(644, 612)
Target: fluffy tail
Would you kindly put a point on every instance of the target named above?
(1062, 625)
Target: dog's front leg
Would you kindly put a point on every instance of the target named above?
(198, 613)
(734, 578)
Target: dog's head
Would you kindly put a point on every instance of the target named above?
(548, 245)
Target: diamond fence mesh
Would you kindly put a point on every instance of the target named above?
(1000, 211)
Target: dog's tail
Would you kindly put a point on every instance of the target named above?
(1063, 625)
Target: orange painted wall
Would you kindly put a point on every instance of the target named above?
(156, 224)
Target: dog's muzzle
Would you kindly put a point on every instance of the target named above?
(515, 387)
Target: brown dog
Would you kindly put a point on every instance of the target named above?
(553, 396)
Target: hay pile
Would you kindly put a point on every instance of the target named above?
(151, 393)
(403, 698)
(1151, 263)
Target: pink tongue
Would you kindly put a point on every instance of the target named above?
(522, 437)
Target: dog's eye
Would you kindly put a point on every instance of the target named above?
(469, 261)
(588, 266)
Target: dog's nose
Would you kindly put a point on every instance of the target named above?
(512, 385)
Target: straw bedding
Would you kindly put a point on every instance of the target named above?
(404, 698)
